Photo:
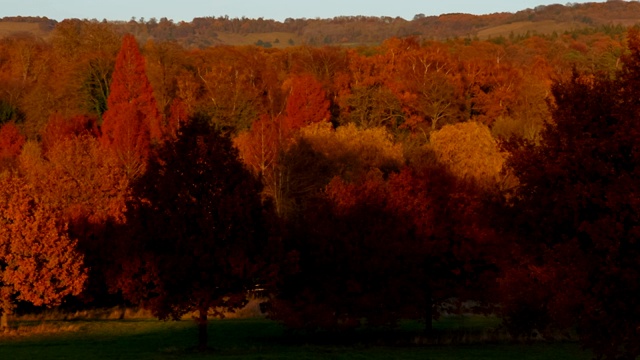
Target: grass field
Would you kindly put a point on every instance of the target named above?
(142, 339)
(522, 27)
(277, 39)
(9, 27)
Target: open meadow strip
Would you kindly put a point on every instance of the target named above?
(142, 339)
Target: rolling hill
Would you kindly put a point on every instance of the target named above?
(358, 30)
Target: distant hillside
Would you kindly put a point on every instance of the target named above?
(37, 26)
(357, 30)
(9, 28)
(528, 27)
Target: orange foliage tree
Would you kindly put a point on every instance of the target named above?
(230, 81)
(264, 146)
(77, 178)
(165, 62)
(87, 187)
(425, 79)
(350, 151)
(259, 146)
(457, 248)
(25, 70)
(38, 261)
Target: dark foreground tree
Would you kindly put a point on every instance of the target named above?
(355, 260)
(375, 250)
(578, 214)
(197, 230)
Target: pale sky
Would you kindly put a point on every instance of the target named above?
(186, 10)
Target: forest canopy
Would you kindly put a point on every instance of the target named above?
(345, 186)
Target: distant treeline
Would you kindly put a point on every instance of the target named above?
(349, 30)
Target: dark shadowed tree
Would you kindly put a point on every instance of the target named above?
(373, 251)
(355, 259)
(197, 232)
(578, 213)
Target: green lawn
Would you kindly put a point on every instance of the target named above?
(256, 339)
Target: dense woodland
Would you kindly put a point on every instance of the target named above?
(346, 186)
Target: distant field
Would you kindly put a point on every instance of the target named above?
(276, 39)
(521, 28)
(625, 22)
(8, 28)
(142, 339)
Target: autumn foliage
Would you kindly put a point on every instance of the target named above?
(576, 226)
(347, 187)
(132, 121)
(197, 237)
(355, 256)
(39, 262)
(60, 128)
(11, 141)
(470, 152)
(307, 102)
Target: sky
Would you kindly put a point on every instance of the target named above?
(186, 10)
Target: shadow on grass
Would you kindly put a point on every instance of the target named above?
(256, 339)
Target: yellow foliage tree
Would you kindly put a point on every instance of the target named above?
(353, 151)
(470, 152)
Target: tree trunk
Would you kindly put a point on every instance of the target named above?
(428, 301)
(6, 307)
(123, 311)
(4, 320)
(428, 311)
(202, 329)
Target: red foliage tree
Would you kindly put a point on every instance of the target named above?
(11, 141)
(60, 128)
(307, 102)
(132, 121)
(38, 261)
(425, 80)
